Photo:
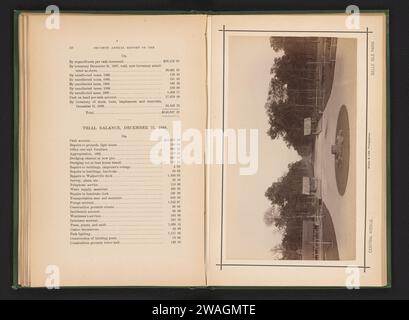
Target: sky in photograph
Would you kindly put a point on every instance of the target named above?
(249, 60)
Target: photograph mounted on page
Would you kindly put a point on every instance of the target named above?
(304, 103)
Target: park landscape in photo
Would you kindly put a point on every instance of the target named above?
(301, 94)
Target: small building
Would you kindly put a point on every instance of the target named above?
(311, 186)
(312, 126)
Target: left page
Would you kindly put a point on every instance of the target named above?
(103, 90)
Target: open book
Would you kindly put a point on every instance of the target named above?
(201, 150)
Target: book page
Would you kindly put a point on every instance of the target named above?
(108, 206)
(304, 202)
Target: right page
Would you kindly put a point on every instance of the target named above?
(300, 198)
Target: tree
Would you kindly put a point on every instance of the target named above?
(287, 121)
(277, 43)
(277, 91)
(278, 252)
(290, 184)
(291, 89)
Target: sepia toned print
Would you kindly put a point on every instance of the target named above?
(309, 115)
